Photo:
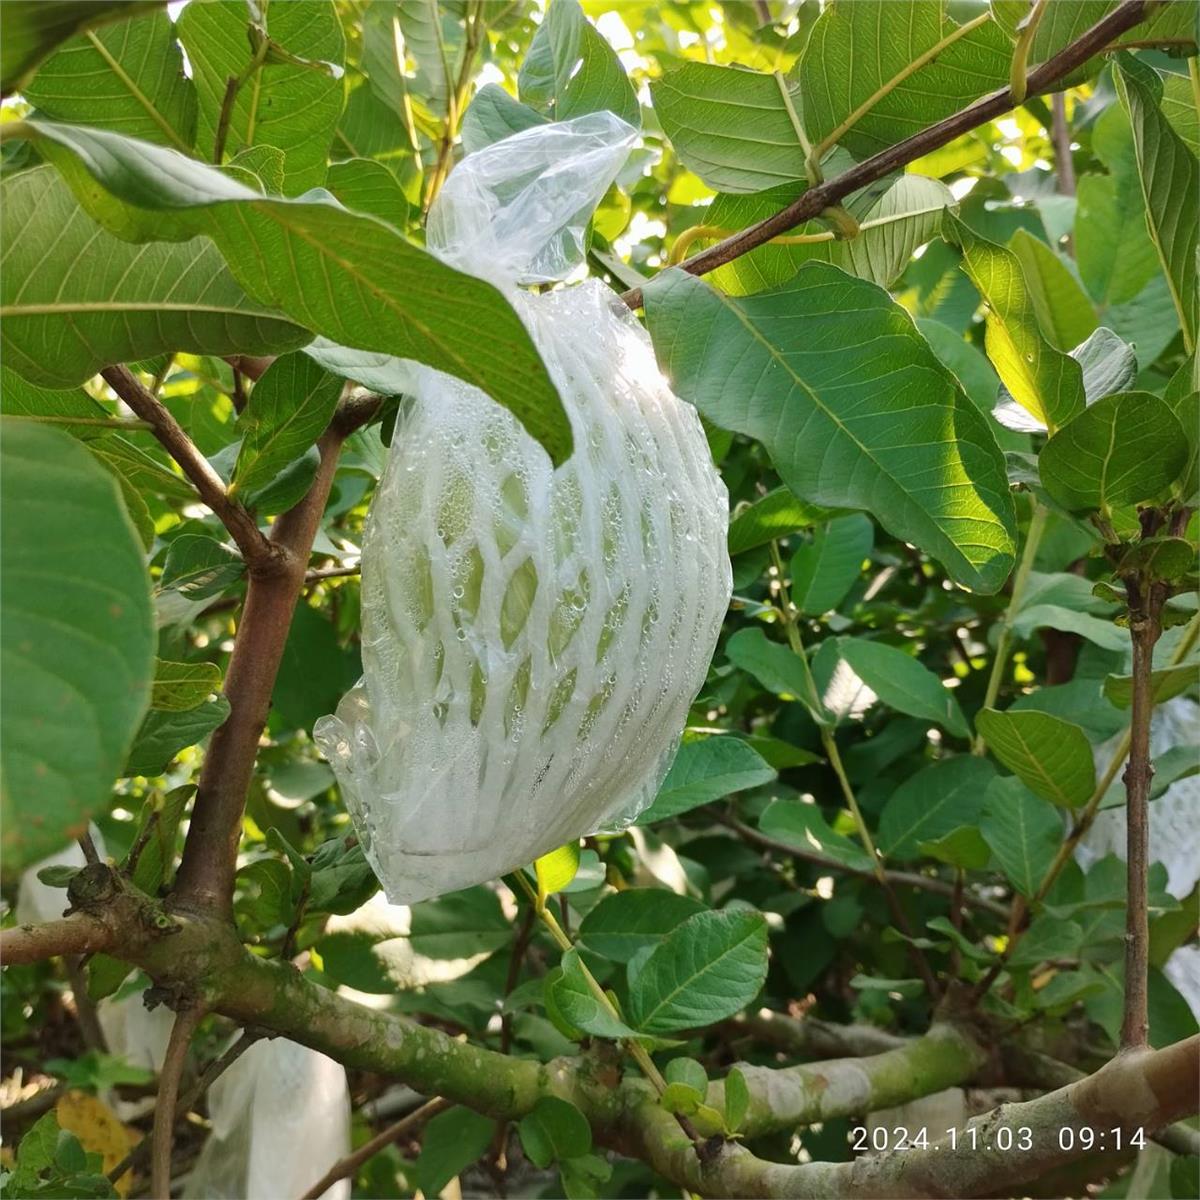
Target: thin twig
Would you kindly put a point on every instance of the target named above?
(251, 541)
(926, 883)
(817, 199)
(317, 574)
(90, 853)
(215, 1069)
(168, 1094)
(1060, 132)
(347, 1168)
(789, 615)
(520, 945)
(1037, 526)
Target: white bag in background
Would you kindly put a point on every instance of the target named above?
(280, 1119)
(1174, 830)
(532, 637)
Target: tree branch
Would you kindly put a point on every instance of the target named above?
(1145, 625)
(347, 1167)
(163, 1137)
(205, 879)
(1139, 1090)
(80, 934)
(251, 541)
(815, 200)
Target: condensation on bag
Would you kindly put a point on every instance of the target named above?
(532, 638)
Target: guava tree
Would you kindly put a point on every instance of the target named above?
(927, 271)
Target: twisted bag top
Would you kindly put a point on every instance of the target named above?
(532, 637)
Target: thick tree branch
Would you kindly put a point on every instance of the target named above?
(1147, 1089)
(814, 201)
(73, 935)
(1146, 601)
(810, 1037)
(256, 549)
(205, 879)
(1139, 1090)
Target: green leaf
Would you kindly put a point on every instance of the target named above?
(57, 877)
(162, 735)
(575, 1003)
(163, 815)
(555, 1129)
(492, 115)
(737, 1099)
(962, 847)
(77, 671)
(774, 666)
(907, 989)
(1113, 249)
(31, 29)
(1047, 938)
(1165, 683)
(892, 227)
(1023, 831)
(585, 73)
(459, 925)
(626, 922)
(366, 186)
(860, 57)
(707, 770)
(731, 126)
(903, 683)
(801, 824)
(556, 870)
(689, 1073)
(127, 77)
(450, 1143)
(180, 686)
(1170, 179)
(290, 106)
(777, 514)
(825, 569)
(347, 276)
(1126, 448)
(1054, 616)
(1047, 383)
(289, 408)
(703, 971)
(851, 404)
(932, 804)
(62, 324)
(1050, 756)
(1064, 312)
(200, 566)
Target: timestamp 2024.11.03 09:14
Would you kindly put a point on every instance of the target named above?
(881, 1138)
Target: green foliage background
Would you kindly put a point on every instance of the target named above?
(937, 436)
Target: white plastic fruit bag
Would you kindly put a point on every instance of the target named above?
(280, 1119)
(532, 637)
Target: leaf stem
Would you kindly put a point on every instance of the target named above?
(114, 423)
(564, 943)
(839, 131)
(829, 742)
(1026, 31)
(1037, 527)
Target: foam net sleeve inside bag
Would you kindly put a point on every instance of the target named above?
(532, 637)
